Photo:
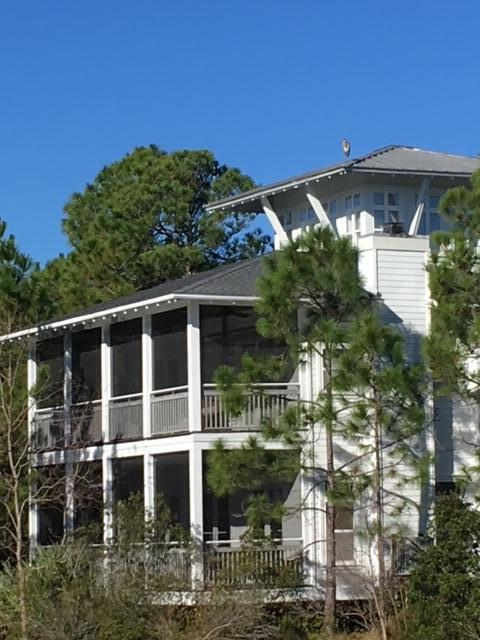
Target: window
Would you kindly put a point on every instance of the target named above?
(333, 208)
(385, 208)
(303, 215)
(126, 347)
(86, 365)
(288, 219)
(356, 199)
(348, 203)
(169, 336)
(311, 213)
(344, 534)
(227, 333)
(50, 363)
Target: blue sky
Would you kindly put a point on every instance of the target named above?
(269, 86)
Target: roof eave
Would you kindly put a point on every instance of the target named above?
(274, 189)
(100, 317)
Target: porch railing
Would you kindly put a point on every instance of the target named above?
(126, 417)
(86, 422)
(169, 409)
(268, 403)
(272, 566)
(48, 428)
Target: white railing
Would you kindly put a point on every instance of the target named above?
(265, 566)
(169, 409)
(126, 417)
(48, 428)
(86, 422)
(268, 403)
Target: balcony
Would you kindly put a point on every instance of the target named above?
(268, 403)
(272, 566)
(48, 428)
(169, 411)
(126, 417)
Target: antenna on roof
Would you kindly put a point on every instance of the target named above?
(346, 147)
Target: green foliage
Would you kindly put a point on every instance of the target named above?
(143, 221)
(454, 273)
(444, 589)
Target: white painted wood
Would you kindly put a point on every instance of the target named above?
(106, 371)
(147, 373)
(149, 484)
(107, 479)
(317, 206)
(31, 381)
(274, 221)
(422, 198)
(196, 514)
(194, 368)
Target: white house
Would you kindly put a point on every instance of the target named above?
(132, 388)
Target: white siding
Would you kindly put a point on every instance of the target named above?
(402, 284)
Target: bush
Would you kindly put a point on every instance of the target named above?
(443, 595)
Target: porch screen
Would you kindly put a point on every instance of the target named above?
(50, 499)
(86, 366)
(50, 365)
(88, 498)
(127, 477)
(227, 333)
(172, 486)
(126, 348)
(169, 335)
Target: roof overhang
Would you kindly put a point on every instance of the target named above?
(160, 303)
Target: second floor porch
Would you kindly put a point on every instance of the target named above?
(151, 376)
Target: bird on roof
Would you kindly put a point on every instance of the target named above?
(346, 147)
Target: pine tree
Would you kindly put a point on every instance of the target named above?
(143, 221)
(319, 273)
(369, 405)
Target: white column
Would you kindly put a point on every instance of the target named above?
(149, 484)
(194, 368)
(67, 407)
(107, 479)
(147, 373)
(31, 380)
(196, 514)
(106, 380)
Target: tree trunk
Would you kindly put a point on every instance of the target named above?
(330, 564)
(380, 532)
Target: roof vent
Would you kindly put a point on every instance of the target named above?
(393, 229)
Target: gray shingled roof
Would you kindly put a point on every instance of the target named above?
(411, 160)
(392, 159)
(233, 280)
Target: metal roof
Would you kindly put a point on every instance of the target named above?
(390, 159)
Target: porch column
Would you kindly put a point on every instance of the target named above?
(31, 381)
(106, 380)
(147, 374)
(194, 368)
(196, 514)
(67, 416)
(149, 484)
(107, 479)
